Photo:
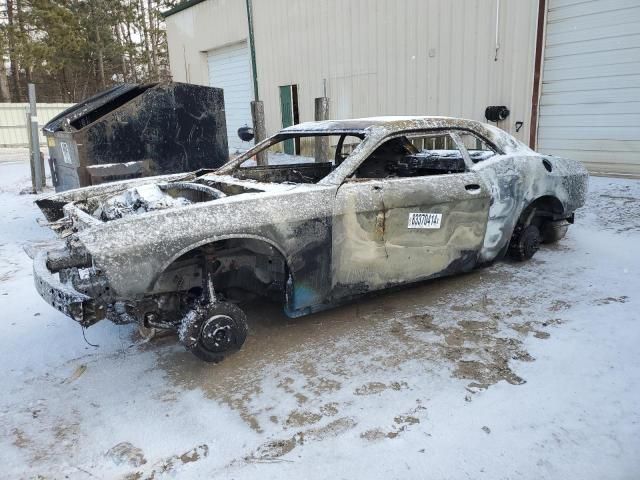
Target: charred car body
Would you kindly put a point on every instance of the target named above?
(401, 200)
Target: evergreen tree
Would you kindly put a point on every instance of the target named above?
(72, 49)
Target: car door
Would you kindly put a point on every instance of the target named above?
(358, 259)
(411, 225)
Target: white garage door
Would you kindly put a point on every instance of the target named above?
(229, 69)
(590, 102)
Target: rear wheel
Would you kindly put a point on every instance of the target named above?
(553, 232)
(525, 243)
(214, 330)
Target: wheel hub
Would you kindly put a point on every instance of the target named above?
(217, 333)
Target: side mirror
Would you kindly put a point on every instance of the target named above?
(496, 113)
(245, 133)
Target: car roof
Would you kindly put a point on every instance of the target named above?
(395, 124)
(392, 123)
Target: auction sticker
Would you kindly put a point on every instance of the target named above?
(424, 220)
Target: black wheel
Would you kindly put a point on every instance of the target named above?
(525, 243)
(553, 232)
(214, 330)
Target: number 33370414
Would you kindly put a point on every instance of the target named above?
(424, 220)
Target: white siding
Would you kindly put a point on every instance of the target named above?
(429, 57)
(229, 69)
(590, 99)
(199, 29)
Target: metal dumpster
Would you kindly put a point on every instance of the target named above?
(136, 130)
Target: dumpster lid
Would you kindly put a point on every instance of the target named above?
(98, 105)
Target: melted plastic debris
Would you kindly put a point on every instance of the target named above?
(141, 199)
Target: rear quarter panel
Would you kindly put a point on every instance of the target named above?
(516, 181)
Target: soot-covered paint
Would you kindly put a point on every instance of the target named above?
(322, 243)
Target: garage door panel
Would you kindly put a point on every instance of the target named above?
(229, 69)
(599, 83)
(605, 146)
(558, 11)
(592, 71)
(587, 22)
(594, 120)
(597, 32)
(591, 96)
(589, 133)
(613, 57)
(589, 109)
(593, 46)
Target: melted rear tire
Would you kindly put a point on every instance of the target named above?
(525, 243)
(553, 232)
(219, 328)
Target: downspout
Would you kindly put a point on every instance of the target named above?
(252, 48)
(497, 44)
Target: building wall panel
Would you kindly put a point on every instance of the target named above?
(417, 57)
(375, 57)
(193, 32)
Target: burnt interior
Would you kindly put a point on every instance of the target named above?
(399, 157)
(292, 173)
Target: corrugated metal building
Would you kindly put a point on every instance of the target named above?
(569, 70)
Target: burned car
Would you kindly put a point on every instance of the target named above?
(385, 202)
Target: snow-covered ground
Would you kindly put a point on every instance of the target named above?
(513, 371)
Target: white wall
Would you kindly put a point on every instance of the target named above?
(193, 32)
(428, 57)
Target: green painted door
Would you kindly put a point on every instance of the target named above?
(286, 107)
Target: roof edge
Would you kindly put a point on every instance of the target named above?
(180, 7)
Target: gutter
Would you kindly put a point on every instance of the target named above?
(180, 7)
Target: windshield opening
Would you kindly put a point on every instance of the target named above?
(295, 158)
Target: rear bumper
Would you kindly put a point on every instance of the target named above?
(62, 296)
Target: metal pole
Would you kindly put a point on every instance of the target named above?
(322, 143)
(259, 131)
(27, 122)
(34, 143)
(252, 48)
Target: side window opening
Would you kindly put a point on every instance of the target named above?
(478, 149)
(414, 155)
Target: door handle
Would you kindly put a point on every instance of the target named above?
(472, 187)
